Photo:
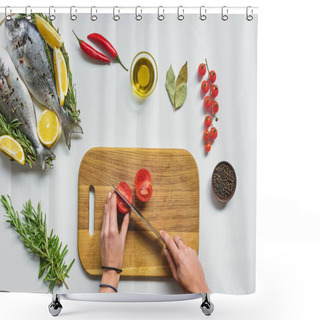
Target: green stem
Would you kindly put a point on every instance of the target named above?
(121, 63)
(77, 37)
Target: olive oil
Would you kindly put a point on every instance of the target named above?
(143, 77)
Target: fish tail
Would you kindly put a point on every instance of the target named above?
(69, 126)
(44, 154)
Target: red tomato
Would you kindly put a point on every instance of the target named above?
(207, 102)
(207, 121)
(206, 136)
(125, 190)
(213, 132)
(204, 86)
(208, 146)
(214, 90)
(143, 186)
(212, 76)
(215, 107)
(202, 69)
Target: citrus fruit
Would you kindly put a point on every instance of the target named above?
(48, 128)
(12, 148)
(60, 70)
(48, 33)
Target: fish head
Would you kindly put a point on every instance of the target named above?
(16, 31)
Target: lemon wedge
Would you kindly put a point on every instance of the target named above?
(12, 148)
(48, 33)
(60, 70)
(48, 128)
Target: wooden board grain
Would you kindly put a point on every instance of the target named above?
(174, 205)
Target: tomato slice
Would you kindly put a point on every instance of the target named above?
(125, 190)
(143, 185)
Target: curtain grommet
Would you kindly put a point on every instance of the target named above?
(116, 17)
(28, 15)
(180, 13)
(52, 16)
(249, 16)
(73, 16)
(224, 13)
(138, 16)
(7, 15)
(93, 17)
(203, 13)
(160, 16)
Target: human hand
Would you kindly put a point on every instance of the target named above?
(112, 242)
(185, 265)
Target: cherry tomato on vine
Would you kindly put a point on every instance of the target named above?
(202, 69)
(207, 146)
(207, 102)
(207, 121)
(214, 90)
(205, 86)
(206, 136)
(212, 76)
(213, 133)
(215, 107)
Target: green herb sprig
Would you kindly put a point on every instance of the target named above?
(32, 229)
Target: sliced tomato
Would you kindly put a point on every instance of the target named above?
(143, 185)
(125, 190)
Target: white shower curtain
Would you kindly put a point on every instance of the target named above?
(112, 116)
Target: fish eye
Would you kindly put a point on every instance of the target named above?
(16, 24)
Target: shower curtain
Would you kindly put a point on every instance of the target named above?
(167, 115)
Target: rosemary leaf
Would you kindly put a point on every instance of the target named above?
(31, 227)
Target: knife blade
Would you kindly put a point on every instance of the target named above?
(140, 215)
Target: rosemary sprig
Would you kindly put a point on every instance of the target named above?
(32, 229)
(12, 129)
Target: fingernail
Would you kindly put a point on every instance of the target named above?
(109, 195)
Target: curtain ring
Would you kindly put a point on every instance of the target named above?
(52, 16)
(116, 17)
(28, 16)
(180, 14)
(73, 16)
(138, 16)
(203, 12)
(160, 16)
(8, 17)
(93, 17)
(249, 17)
(224, 13)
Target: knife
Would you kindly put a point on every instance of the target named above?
(138, 213)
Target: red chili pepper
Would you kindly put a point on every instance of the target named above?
(108, 46)
(90, 51)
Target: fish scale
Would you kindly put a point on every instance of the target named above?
(28, 52)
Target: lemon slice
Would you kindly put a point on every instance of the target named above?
(49, 128)
(60, 70)
(48, 33)
(12, 149)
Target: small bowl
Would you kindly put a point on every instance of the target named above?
(148, 56)
(231, 193)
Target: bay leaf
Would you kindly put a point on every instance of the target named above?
(183, 75)
(180, 96)
(170, 84)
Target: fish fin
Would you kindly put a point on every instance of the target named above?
(69, 126)
(44, 154)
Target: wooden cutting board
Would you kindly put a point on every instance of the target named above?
(174, 205)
